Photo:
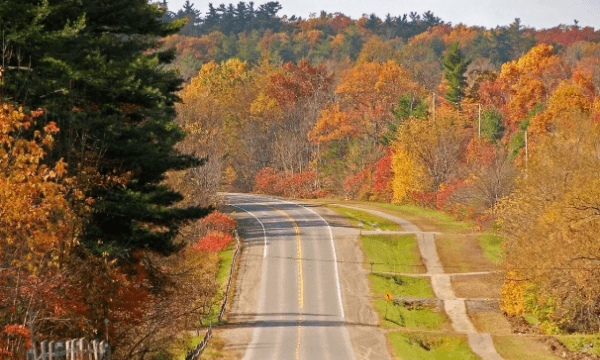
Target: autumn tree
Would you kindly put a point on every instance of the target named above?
(530, 80)
(214, 118)
(38, 230)
(354, 126)
(551, 224)
(432, 149)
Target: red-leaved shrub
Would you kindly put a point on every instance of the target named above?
(218, 221)
(214, 241)
(303, 184)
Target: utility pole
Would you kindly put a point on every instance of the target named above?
(526, 152)
(433, 108)
(480, 121)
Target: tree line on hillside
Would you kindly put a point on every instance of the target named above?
(435, 122)
(243, 17)
(327, 37)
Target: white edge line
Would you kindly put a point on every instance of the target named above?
(261, 225)
(337, 276)
(263, 277)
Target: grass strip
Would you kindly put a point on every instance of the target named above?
(401, 285)
(222, 275)
(425, 346)
(512, 347)
(396, 314)
(393, 253)
(369, 221)
(400, 314)
(425, 219)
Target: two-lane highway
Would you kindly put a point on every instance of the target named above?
(300, 312)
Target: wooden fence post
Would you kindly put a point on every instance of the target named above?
(51, 350)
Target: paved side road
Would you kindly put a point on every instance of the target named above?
(300, 312)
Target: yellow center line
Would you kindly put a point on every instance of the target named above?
(300, 270)
(300, 276)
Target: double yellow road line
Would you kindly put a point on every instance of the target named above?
(300, 275)
(299, 244)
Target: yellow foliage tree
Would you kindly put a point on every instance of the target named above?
(408, 175)
(552, 221)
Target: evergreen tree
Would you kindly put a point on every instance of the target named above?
(455, 66)
(87, 63)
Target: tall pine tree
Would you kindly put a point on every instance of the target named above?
(90, 64)
(455, 66)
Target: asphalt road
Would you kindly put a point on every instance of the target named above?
(300, 312)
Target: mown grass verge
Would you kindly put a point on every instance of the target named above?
(401, 285)
(369, 221)
(392, 253)
(400, 314)
(425, 219)
(427, 346)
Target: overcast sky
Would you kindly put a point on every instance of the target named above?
(540, 14)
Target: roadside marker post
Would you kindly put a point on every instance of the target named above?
(388, 297)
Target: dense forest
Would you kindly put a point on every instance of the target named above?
(495, 126)
(121, 120)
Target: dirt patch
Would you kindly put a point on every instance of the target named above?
(521, 326)
(462, 253)
(477, 286)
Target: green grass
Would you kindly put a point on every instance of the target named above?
(424, 346)
(399, 315)
(581, 343)
(222, 276)
(370, 222)
(401, 285)
(183, 344)
(492, 247)
(392, 253)
(426, 219)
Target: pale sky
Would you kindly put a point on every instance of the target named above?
(540, 14)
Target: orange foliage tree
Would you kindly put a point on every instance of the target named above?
(37, 229)
(530, 80)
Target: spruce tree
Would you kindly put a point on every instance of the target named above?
(455, 66)
(90, 64)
